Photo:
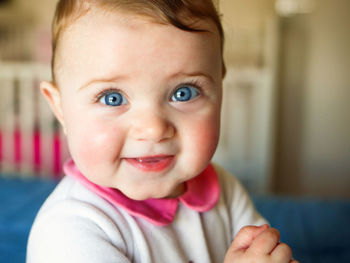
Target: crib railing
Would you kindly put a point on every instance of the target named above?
(31, 142)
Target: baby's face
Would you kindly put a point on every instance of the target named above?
(139, 102)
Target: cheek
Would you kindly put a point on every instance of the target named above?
(206, 138)
(92, 146)
(202, 139)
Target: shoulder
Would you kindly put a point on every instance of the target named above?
(70, 198)
(231, 188)
(67, 222)
(237, 200)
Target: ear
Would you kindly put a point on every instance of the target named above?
(53, 97)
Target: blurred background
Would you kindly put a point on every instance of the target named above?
(286, 112)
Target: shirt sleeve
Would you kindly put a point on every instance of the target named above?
(241, 208)
(75, 232)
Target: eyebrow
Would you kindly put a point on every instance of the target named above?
(103, 80)
(174, 76)
(193, 75)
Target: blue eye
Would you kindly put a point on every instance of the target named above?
(113, 99)
(185, 93)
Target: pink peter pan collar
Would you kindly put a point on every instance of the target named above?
(202, 194)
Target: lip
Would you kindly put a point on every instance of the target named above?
(151, 163)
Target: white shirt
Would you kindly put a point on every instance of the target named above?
(75, 225)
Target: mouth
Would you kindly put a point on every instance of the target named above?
(151, 163)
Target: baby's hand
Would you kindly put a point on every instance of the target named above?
(259, 245)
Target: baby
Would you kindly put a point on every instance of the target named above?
(137, 88)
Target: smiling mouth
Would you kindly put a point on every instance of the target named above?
(151, 163)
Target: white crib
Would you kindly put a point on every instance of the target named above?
(31, 142)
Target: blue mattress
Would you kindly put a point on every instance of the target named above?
(19, 202)
(317, 230)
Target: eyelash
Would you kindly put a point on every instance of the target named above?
(194, 83)
(105, 92)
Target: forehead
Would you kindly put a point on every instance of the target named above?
(99, 44)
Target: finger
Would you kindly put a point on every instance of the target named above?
(246, 235)
(265, 242)
(282, 253)
(294, 261)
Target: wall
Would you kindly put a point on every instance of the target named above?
(313, 153)
(244, 25)
(25, 30)
(38, 11)
(245, 147)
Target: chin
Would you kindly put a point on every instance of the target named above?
(140, 196)
(152, 194)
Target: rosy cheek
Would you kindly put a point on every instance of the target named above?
(93, 145)
(96, 144)
(207, 138)
(202, 141)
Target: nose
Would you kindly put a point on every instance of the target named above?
(151, 127)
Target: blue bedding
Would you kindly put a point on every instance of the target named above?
(317, 230)
(19, 202)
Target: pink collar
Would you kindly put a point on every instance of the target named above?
(203, 192)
